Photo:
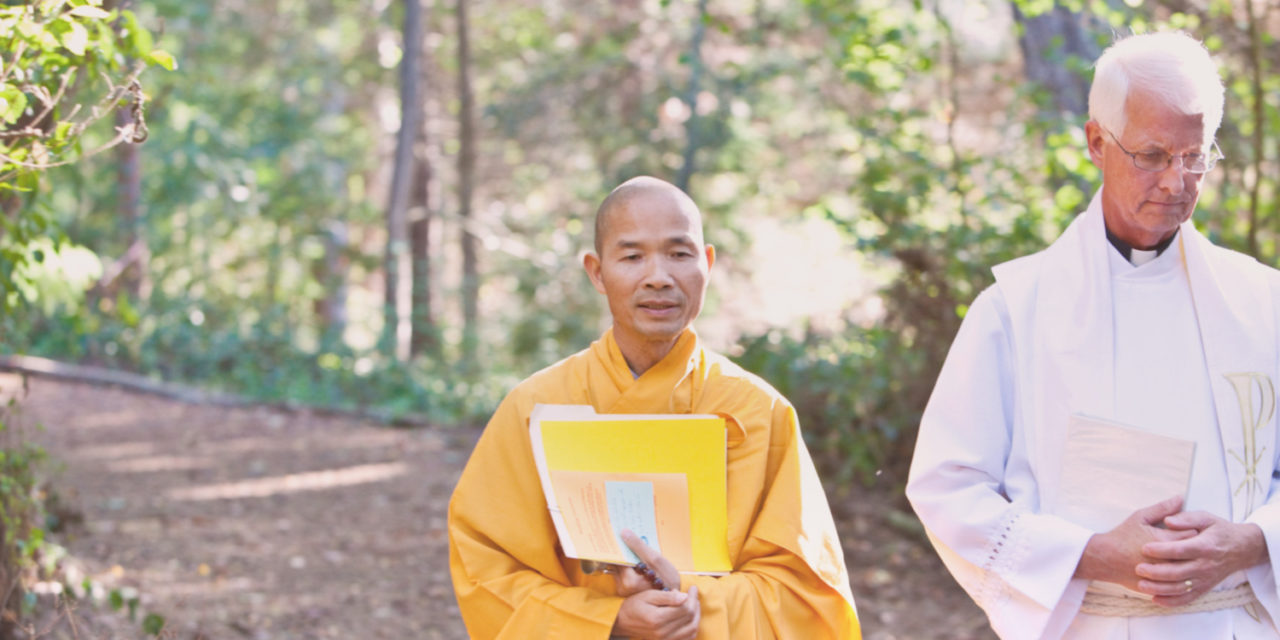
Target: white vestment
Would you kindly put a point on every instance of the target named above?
(1041, 345)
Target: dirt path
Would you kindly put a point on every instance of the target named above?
(255, 523)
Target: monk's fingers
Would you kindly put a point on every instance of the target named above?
(648, 613)
(628, 581)
(669, 601)
(689, 631)
(661, 566)
(668, 572)
(638, 546)
(683, 623)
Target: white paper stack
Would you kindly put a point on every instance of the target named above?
(1110, 470)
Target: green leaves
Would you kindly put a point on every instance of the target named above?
(75, 37)
(162, 58)
(153, 624)
(12, 103)
(91, 12)
(61, 58)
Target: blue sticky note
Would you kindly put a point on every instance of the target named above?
(631, 507)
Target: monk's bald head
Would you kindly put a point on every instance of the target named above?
(639, 192)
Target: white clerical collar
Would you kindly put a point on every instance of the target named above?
(1138, 257)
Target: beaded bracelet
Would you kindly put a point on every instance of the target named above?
(654, 579)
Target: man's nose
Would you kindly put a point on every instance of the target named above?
(1173, 179)
(657, 275)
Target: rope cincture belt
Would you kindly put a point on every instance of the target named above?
(1101, 604)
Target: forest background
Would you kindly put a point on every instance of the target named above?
(380, 205)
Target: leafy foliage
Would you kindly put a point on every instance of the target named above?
(22, 535)
(64, 66)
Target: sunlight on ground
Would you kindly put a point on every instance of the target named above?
(159, 463)
(292, 483)
(110, 451)
(109, 419)
(10, 386)
(258, 444)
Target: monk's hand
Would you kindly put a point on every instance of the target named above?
(1115, 555)
(1179, 571)
(631, 581)
(659, 615)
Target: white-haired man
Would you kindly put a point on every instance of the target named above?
(1134, 321)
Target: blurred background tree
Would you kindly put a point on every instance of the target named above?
(381, 204)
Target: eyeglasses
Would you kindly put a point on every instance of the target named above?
(1161, 160)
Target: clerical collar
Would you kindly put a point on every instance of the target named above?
(1139, 257)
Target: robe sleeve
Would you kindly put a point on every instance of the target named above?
(1264, 578)
(789, 579)
(503, 554)
(972, 487)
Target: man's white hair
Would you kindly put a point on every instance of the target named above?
(1171, 67)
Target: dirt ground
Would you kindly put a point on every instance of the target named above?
(265, 524)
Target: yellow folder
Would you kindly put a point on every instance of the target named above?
(604, 472)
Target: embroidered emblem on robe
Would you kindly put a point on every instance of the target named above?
(1257, 397)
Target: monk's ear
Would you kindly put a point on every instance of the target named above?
(711, 256)
(591, 263)
(1096, 136)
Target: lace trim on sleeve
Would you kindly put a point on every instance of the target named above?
(1005, 551)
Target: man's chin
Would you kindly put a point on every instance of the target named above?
(1168, 215)
(666, 332)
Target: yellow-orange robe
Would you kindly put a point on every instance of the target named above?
(789, 578)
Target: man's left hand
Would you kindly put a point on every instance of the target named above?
(1179, 571)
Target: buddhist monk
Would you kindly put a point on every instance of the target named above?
(511, 578)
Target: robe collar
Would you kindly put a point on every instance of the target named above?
(678, 383)
(666, 387)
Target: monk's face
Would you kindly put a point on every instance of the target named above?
(653, 268)
(1145, 207)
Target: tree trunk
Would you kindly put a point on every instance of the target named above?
(422, 338)
(950, 73)
(129, 208)
(410, 117)
(331, 307)
(466, 185)
(134, 259)
(1047, 40)
(691, 98)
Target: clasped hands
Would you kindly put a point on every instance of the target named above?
(1172, 555)
(647, 612)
